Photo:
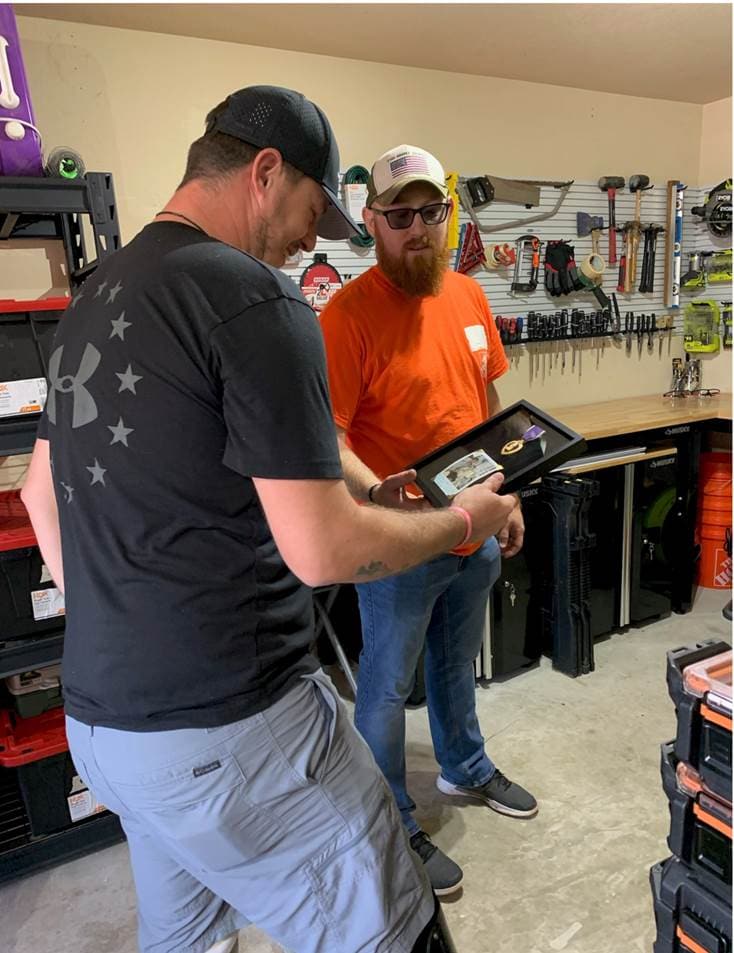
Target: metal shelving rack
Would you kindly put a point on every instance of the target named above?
(52, 208)
(33, 209)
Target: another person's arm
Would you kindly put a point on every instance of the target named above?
(360, 480)
(40, 501)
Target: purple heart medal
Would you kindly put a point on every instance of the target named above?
(515, 446)
(20, 141)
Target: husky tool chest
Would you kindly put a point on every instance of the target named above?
(30, 604)
(688, 918)
(700, 825)
(699, 683)
(27, 330)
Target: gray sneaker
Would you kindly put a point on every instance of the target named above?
(445, 876)
(499, 793)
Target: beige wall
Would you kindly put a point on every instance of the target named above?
(131, 102)
(716, 131)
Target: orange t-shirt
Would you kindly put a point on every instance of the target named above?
(407, 375)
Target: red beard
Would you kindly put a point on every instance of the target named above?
(418, 276)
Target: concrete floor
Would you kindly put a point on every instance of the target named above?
(572, 879)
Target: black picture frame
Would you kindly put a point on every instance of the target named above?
(536, 458)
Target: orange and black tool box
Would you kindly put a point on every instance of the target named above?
(699, 682)
(700, 824)
(688, 917)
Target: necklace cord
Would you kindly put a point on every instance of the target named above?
(182, 216)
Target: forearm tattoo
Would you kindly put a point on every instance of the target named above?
(375, 568)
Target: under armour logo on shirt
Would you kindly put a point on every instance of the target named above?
(85, 408)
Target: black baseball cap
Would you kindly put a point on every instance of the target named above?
(282, 119)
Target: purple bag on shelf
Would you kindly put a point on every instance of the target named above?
(20, 143)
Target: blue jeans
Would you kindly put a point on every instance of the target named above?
(440, 605)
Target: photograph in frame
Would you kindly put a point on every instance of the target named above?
(521, 441)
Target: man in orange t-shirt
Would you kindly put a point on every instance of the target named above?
(412, 354)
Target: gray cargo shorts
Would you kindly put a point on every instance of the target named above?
(282, 820)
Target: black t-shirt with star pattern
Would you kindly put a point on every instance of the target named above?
(181, 370)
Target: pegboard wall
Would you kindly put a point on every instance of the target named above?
(582, 196)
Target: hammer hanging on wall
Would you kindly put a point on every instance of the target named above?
(637, 185)
(610, 184)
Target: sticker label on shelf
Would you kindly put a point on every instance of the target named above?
(47, 603)
(22, 397)
(82, 803)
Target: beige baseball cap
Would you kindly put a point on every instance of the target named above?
(400, 166)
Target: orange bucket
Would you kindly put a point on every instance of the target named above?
(714, 565)
(714, 472)
(714, 520)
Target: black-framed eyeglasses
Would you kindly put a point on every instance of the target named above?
(702, 392)
(399, 218)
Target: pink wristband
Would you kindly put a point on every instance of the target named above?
(467, 520)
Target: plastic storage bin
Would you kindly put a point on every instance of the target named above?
(35, 692)
(30, 604)
(27, 330)
(23, 740)
(700, 825)
(688, 918)
(699, 682)
(53, 794)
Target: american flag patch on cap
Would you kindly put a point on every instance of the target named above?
(407, 164)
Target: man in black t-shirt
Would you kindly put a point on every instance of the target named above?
(186, 491)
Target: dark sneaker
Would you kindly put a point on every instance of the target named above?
(445, 876)
(499, 793)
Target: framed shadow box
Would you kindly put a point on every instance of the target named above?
(521, 442)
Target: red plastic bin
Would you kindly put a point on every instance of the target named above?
(22, 574)
(16, 531)
(23, 740)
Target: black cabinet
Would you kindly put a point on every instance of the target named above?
(635, 550)
(515, 621)
(657, 528)
(606, 559)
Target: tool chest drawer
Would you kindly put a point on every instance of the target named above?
(700, 825)
(699, 683)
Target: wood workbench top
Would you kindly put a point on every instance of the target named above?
(634, 414)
